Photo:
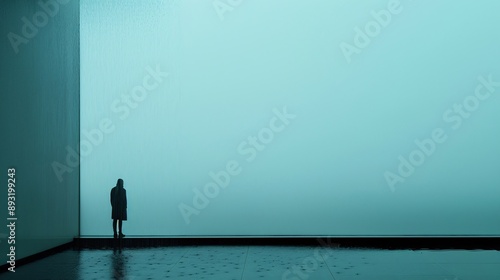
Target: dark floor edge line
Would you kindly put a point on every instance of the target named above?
(467, 243)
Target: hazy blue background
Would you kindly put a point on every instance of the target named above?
(322, 175)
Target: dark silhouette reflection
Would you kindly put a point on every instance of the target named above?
(118, 199)
(118, 269)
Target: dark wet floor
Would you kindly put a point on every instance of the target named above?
(263, 262)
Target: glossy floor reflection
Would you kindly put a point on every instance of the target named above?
(255, 262)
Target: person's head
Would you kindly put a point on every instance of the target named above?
(119, 183)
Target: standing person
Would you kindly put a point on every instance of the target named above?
(118, 207)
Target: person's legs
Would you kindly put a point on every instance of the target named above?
(114, 228)
(120, 227)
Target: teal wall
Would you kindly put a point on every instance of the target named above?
(39, 118)
(394, 128)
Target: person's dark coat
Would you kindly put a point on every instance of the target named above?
(119, 203)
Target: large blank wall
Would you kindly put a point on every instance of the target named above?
(374, 117)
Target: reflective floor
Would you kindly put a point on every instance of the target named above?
(264, 262)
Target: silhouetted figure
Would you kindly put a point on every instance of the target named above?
(118, 207)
